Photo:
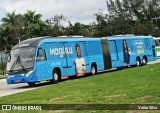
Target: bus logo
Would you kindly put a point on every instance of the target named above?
(61, 51)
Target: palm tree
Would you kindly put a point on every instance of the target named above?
(15, 23)
(35, 26)
(22, 26)
(32, 17)
(9, 19)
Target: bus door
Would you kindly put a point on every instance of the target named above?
(41, 61)
(84, 54)
(149, 49)
(153, 48)
(114, 53)
(67, 62)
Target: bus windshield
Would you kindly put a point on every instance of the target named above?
(21, 58)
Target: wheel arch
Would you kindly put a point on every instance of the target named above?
(145, 57)
(57, 69)
(94, 63)
(138, 58)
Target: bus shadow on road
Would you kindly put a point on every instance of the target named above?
(38, 84)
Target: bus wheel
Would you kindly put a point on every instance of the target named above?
(31, 83)
(56, 77)
(138, 62)
(144, 61)
(93, 69)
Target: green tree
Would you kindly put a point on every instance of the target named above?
(8, 32)
(102, 25)
(55, 26)
(34, 25)
(129, 17)
(79, 29)
(17, 27)
(6, 40)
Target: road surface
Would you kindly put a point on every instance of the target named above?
(6, 89)
(16, 88)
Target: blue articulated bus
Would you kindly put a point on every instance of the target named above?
(49, 58)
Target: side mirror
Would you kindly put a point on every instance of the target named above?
(4, 56)
(8, 56)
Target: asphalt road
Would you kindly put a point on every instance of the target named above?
(153, 62)
(6, 89)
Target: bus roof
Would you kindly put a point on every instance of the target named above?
(127, 37)
(29, 42)
(55, 39)
(35, 41)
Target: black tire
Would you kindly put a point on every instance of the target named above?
(31, 83)
(72, 77)
(144, 61)
(56, 77)
(93, 69)
(120, 68)
(138, 63)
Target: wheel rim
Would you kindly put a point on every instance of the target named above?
(138, 63)
(144, 61)
(55, 76)
(93, 70)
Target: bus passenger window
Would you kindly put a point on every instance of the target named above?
(41, 56)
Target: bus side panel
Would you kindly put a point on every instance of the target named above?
(150, 50)
(132, 51)
(72, 57)
(138, 50)
(95, 54)
(63, 55)
(116, 51)
(69, 55)
(54, 60)
(135, 49)
(42, 66)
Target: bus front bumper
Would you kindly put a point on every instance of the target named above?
(19, 78)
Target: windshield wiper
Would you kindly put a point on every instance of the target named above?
(17, 61)
(21, 65)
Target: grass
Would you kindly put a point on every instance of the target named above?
(158, 49)
(139, 85)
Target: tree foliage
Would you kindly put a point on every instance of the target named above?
(130, 17)
(55, 26)
(79, 29)
(17, 27)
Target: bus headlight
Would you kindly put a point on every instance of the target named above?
(29, 72)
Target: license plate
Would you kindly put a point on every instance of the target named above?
(17, 81)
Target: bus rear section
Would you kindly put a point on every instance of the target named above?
(131, 50)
